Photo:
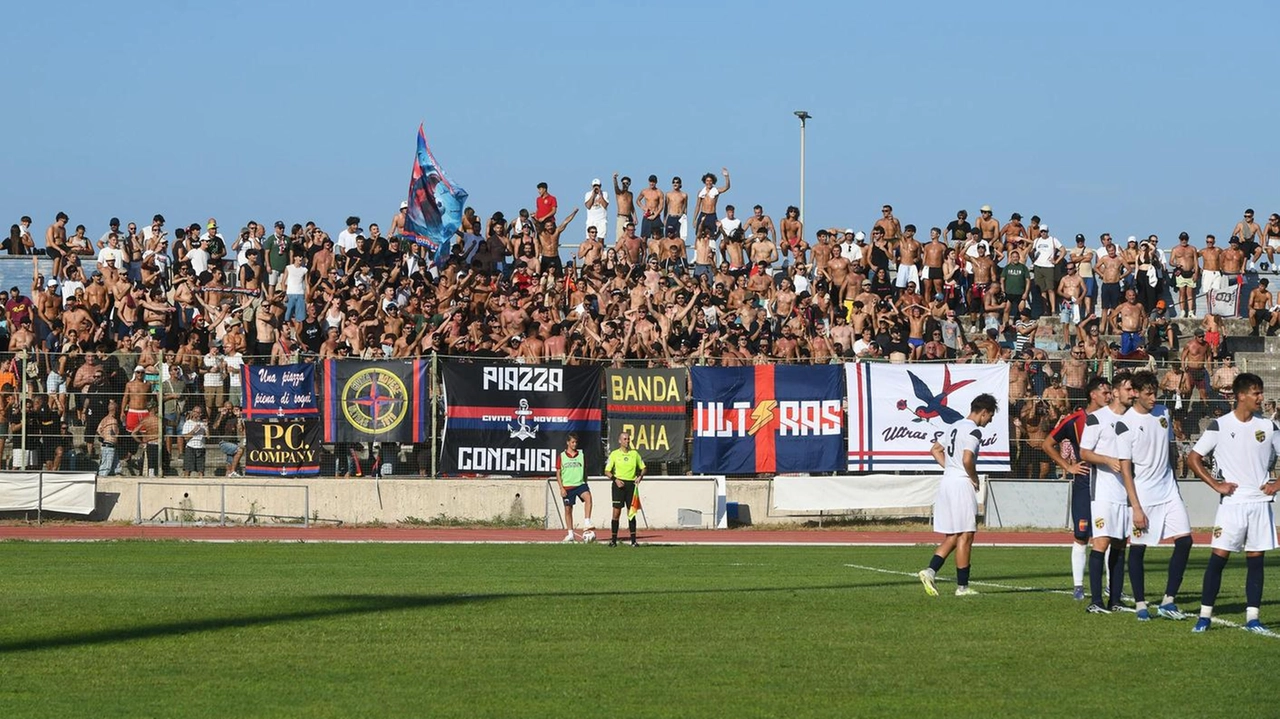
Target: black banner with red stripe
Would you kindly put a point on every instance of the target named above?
(514, 419)
(650, 405)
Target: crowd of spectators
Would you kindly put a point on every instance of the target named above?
(141, 326)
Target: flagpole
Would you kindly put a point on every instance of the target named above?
(435, 420)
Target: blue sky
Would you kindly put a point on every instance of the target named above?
(1123, 117)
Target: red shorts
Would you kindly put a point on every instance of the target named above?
(1213, 338)
(133, 418)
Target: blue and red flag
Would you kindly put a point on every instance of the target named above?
(765, 419)
(435, 204)
(384, 401)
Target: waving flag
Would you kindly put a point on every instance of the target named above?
(634, 509)
(435, 204)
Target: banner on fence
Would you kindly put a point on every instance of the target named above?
(279, 391)
(376, 401)
(897, 412)
(1224, 302)
(768, 418)
(514, 419)
(650, 405)
(282, 447)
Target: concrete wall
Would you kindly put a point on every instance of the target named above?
(1010, 504)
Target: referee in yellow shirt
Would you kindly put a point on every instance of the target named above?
(626, 468)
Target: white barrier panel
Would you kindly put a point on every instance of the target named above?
(869, 491)
(70, 493)
(661, 499)
(19, 491)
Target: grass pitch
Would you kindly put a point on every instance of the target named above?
(173, 630)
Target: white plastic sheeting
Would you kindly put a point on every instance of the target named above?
(66, 492)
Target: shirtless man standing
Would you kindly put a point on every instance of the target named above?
(1186, 271)
(1082, 256)
(1197, 361)
(55, 239)
(1211, 275)
(626, 200)
(708, 196)
(1132, 320)
(549, 242)
(909, 250)
(792, 231)
(1233, 261)
(137, 394)
(934, 253)
(1110, 269)
(677, 207)
(653, 202)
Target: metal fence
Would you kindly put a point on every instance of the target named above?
(47, 424)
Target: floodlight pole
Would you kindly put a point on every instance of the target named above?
(803, 117)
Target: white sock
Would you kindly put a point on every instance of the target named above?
(1079, 556)
(586, 523)
(1167, 600)
(1106, 569)
(1250, 614)
(1206, 612)
(930, 572)
(1140, 606)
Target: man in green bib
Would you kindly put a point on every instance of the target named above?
(572, 476)
(626, 469)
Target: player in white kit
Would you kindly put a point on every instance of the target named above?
(1142, 444)
(1109, 495)
(1243, 444)
(955, 510)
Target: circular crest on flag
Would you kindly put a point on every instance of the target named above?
(374, 400)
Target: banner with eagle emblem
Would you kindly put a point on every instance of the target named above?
(897, 412)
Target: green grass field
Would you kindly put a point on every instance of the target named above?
(152, 629)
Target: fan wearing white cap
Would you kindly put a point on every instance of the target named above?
(597, 204)
(397, 222)
(1046, 252)
(988, 225)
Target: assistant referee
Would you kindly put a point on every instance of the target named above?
(626, 468)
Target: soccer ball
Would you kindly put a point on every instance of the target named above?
(588, 536)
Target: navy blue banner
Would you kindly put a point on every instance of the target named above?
(279, 391)
(767, 419)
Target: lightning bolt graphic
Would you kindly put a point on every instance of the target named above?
(762, 415)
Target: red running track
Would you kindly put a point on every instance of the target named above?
(106, 532)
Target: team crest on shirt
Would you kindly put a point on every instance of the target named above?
(1217, 532)
(1164, 423)
(1260, 436)
(1099, 523)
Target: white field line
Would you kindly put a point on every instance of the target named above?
(1223, 622)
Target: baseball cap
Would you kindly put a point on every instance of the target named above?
(115, 222)
(860, 236)
(985, 208)
(848, 230)
(404, 205)
(1044, 228)
(1017, 216)
(1160, 304)
(1079, 237)
(595, 182)
(1199, 332)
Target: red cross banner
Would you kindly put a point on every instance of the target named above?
(375, 401)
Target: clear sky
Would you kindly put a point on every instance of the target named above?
(1127, 117)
